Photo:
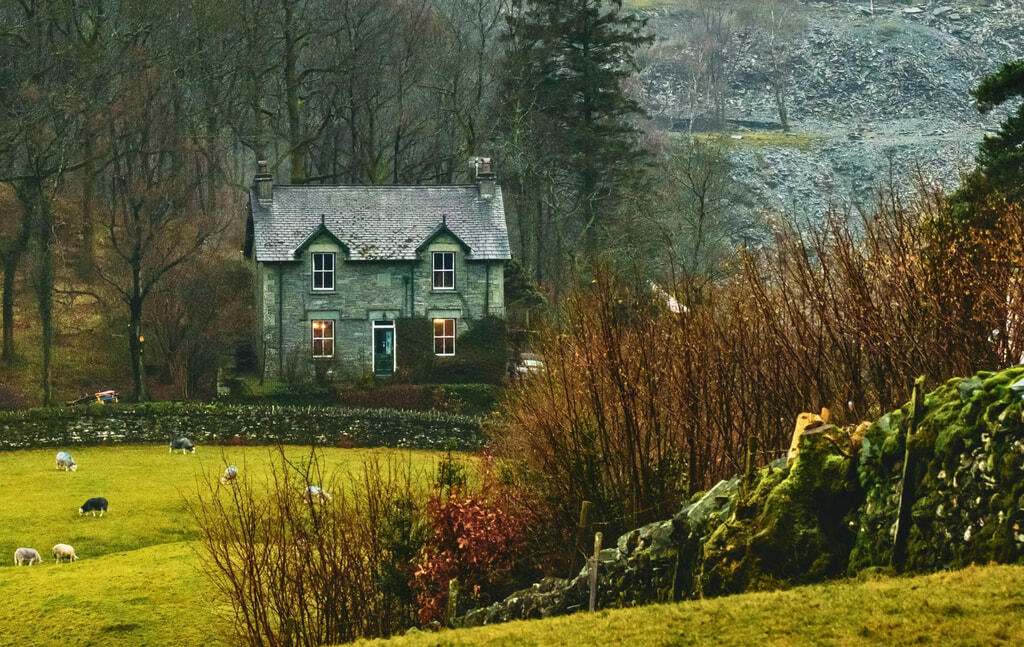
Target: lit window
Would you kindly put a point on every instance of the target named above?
(323, 271)
(323, 338)
(444, 336)
(444, 270)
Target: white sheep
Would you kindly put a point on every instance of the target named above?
(60, 551)
(316, 494)
(230, 474)
(30, 555)
(65, 462)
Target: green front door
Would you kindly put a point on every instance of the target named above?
(383, 348)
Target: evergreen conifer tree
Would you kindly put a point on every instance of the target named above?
(567, 65)
(1001, 156)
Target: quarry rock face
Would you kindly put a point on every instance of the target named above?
(872, 96)
(831, 512)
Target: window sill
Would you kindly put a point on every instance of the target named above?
(325, 293)
(443, 291)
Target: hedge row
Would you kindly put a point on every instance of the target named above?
(237, 424)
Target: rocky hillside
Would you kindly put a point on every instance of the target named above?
(866, 90)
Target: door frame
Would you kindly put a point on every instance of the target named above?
(387, 324)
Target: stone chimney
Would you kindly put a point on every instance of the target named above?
(484, 178)
(263, 183)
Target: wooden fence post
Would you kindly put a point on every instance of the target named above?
(595, 560)
(748, 467)
(907, 485)
(582, 530)
(453, 600)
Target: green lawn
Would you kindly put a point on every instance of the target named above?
(137, 581)
(976, 606)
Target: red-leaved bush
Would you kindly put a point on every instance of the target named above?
(474, 539)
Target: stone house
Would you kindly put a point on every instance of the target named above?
(359, 280)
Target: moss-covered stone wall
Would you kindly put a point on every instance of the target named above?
(832, 512)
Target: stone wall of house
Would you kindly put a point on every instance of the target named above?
(366, 292)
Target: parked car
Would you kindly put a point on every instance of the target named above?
(529, 364)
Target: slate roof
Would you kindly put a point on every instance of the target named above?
(378, 222)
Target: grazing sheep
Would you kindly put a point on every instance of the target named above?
(184, 444)
(60, 551)
(65, 462)
(230, 474)
(30, 555)
(316, 494)
(94, 505)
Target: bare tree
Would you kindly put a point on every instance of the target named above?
(779, 22)
(157, 213)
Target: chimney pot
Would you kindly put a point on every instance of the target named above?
(263, 183)
(484, 178)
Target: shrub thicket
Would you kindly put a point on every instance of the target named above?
(645, 401)
(312, 570)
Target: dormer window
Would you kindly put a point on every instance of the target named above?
(323, 271)
(444, 270)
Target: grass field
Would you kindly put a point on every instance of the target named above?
(977, 606)
(137, 581)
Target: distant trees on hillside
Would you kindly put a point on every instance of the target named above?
(1001, 156)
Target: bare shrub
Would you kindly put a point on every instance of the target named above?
(644, 403)
(305, 570)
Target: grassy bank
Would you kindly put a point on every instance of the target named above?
(138, 579)
(975, 606)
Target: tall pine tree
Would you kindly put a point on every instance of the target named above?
(567, 65)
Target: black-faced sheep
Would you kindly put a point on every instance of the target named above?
(60, 551)
(94, 505)
(27, 555)
(65, 462)
(230, 474)
(184, 444)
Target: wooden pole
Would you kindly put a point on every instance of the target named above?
(748, 467)
(582, 530)
(453, 600)
(595, 560)
(907, 485)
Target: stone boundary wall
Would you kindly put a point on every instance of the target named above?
(237, 424)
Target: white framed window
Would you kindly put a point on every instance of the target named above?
(444, 336)
(444, 270)
(323, 338)
(323, 270)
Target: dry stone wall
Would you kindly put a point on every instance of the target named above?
(831, 513)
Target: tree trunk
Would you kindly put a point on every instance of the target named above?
(44, 280)
(12, 260)
(136, 343)
(296, 147)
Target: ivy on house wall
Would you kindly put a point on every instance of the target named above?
(479, 353)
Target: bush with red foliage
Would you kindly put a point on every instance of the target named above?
(475, 539)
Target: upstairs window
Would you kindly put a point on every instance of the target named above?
(323, 338)
(323, 270)
(444, 336)
(444, 270)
